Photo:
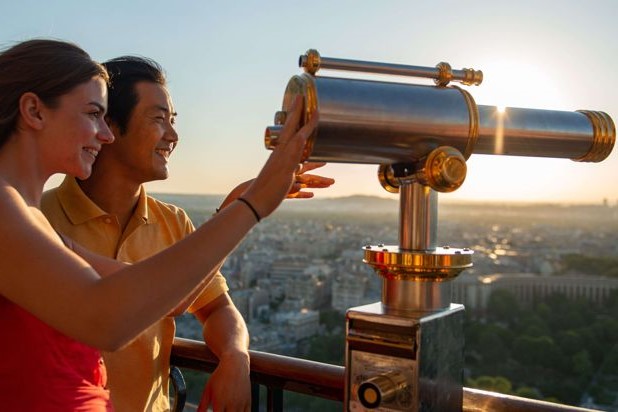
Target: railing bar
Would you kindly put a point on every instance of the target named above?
(274, 400)
(327, 381)
(255, 397)
(180, 389)
(278, 394)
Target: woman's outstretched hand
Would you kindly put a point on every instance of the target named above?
(279, 173)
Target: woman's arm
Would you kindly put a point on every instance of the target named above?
(42, 275)
(64, 290)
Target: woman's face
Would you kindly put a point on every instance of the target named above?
(77, 128)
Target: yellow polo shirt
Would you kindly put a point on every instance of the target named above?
(138, 375)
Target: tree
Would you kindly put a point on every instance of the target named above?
(582, 366)
(528, 392)
(332, 319)
(536, 351)
(570, 342)
(533, 325)
(492, 348)
(491, 383)
(502, 306)
(327, 349)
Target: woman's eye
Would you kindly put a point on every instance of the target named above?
(95, 114)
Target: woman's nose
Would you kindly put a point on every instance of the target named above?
(104, 134)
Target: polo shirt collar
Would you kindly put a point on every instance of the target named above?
(141, 210)
(80, 208)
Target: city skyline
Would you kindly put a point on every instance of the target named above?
(228, 64)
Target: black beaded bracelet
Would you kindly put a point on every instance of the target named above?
(255, 213)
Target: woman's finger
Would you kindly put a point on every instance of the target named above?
(292, 121)
(307, 166)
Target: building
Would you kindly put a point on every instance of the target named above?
(348, 291)
(249, 302)
(282, 269)
(311, 287)
(474, 291)
(298, 325)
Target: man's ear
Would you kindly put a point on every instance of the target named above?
(31, 110)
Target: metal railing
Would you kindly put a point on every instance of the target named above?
(282, 373)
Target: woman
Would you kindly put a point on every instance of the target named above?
(57, 301)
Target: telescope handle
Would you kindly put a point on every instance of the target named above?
(442, 74)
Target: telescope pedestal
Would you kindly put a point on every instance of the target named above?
(404, 363)
(405, 353)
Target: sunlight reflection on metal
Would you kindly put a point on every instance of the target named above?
(500, 114)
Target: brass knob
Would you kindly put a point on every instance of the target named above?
(280, 117)
(387, 179)
(310, 61)
(271, 136)
(469, 77)
(444, 169)
(379, 389)
(472, 77)
(445, 74)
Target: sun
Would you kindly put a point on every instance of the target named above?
(510, 83)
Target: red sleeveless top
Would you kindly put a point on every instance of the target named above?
(43, 370)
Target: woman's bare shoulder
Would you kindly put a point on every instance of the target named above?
(17, 215)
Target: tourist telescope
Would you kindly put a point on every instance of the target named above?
(405, 353)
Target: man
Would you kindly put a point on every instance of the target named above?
(111, 214)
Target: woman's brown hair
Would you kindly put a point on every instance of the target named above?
(47, 68)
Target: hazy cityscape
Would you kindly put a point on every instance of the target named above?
(298, 271)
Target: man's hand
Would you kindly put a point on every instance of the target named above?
(225, 333)
(229, 386)
(308, 181)
(297, 190)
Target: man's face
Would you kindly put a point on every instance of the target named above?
(143, 151)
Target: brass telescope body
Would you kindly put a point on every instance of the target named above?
(405, 353)
(378, 122)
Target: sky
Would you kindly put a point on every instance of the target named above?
(228, 63)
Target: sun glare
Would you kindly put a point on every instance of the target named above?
(519, 84)
(515, 84)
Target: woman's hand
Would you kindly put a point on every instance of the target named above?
(278, 174)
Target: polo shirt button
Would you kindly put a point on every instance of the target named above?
(108, 220)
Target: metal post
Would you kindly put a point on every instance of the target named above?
(418, 216)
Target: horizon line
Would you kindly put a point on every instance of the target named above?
(442, 200)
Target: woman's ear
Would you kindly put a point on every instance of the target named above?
(30, 109)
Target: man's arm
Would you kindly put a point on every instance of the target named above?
(229, 387)
(186, 302)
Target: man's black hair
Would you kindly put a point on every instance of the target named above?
(124, 73)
